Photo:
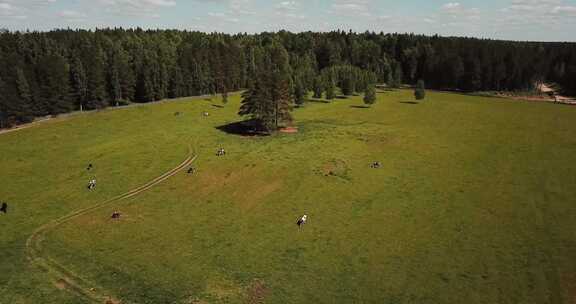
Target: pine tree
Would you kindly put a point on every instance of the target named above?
(269, 100)
(22, 107)
(225, 96)
(23, 87)
(3, 105)
(299, 93)
(126, 75)
(398, 77)
(78, 82)
(420, 90)
(330, 90)
(96, 85)
(370, 95)
(347, 86)
(176, 87)
(318, 87)
(53, 75)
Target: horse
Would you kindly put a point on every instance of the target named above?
(301, 221)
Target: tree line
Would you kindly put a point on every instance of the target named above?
(48, 73)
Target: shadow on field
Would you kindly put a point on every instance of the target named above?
(360, 107)
(217, 106)
(243, 128)
(409, 102)
(317, 100)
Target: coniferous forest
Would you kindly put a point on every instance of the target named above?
(48, 73)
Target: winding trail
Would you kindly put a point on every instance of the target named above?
(66, 279)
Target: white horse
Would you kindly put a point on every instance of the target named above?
(302, 221)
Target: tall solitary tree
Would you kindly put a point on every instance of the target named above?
(370, 95)
(420, 90)
(269, 100)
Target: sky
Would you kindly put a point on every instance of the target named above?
(536, 20)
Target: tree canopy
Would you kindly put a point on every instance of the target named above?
(46, 73)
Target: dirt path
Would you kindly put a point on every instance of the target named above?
(545, 96)
(65, 279)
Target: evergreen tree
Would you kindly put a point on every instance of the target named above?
(225, 96)
(330, 90)
(420, 90)
(3, 105)
(177, 86)
(269, 100)
(397, 78)
(23, 87)
(347, 86)
(370, 95)
(54, 93)
(78, 82)
(96, 85)
(318, 87)
(126, 74)
(299, 93)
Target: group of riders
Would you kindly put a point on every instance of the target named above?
(220, 152)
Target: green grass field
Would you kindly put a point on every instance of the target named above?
(475, 202)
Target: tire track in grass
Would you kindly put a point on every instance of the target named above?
(66, 279)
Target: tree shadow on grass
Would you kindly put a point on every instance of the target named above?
(317, 100)
(360, 107)
(243, 128)
(409, 102)
(217, 106)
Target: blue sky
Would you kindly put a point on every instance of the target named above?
(543, 20)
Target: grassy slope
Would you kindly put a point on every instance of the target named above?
(474, 203)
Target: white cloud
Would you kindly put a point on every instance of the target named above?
(523, 14)
(566, 10)
(72, 16)
(138, 8)
(288, 5)
(351, 8)
(457, 10)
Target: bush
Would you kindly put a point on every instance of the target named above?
(420, 91)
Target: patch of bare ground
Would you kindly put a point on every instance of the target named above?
(289, 130)
(569, 284)
(61, 284)
(112, 301)
(256, 292)
(544, 93)
(335, 167)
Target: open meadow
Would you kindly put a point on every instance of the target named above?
(474, 202)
